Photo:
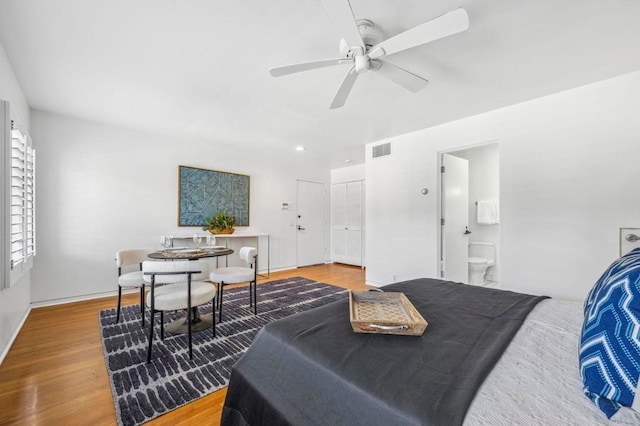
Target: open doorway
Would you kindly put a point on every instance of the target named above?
(469, 215)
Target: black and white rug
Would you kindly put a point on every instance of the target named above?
(144, 391)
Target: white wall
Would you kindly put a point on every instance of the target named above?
(569, 180)
(14, 301)
(348, 174)
(102, 188)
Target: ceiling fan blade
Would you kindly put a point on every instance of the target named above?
(445, 25)
(345, 88)
(342, 14)
(401, 77)
(292, 69)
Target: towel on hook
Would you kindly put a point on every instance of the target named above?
(487, 212)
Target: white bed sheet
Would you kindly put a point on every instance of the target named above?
(537, 381)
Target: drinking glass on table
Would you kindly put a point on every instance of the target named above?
(197, 239)
(211, 240)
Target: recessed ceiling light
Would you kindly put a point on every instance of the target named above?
(299, 148)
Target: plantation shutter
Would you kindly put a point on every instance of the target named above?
(29, 199)
(22, 206)
(18, 157)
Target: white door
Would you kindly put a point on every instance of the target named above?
(455, 218)
(339, 222)
(347, 222)
(311, 229)
(354, 223)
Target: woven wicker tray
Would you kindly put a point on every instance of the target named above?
(384, 313)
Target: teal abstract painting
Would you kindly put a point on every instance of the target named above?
(204, 193)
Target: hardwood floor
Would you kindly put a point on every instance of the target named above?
(54, 373)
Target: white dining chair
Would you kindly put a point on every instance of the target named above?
(183, 287)
(238, 274)
(132, 279)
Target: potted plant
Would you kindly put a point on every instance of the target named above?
(220, 223)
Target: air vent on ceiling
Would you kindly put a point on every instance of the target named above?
(380, 150)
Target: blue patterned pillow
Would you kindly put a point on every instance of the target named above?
(610, 344)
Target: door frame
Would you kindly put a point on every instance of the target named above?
(440, 195)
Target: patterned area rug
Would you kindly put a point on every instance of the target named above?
(144, 391)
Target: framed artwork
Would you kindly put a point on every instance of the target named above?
(204, 193)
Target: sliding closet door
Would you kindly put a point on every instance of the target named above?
(354, 223)
(347, 222)
(339, 223)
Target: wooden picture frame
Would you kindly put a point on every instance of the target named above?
(204, 193)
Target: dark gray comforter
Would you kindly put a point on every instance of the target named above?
(312, 369)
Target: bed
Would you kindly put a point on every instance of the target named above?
(488, 357)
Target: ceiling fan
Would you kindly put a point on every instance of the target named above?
(362, 48)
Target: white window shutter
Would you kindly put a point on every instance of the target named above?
(30, 202)
(18, 157)
(22, 204)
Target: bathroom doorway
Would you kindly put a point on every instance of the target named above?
(469, 213)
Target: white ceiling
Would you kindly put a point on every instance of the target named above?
(199, 68)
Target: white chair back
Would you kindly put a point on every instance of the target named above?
(132, 257)
(248, 254)
(175, 266)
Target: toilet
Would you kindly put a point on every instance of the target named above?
(481, 256)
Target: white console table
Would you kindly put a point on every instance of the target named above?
(227, 237)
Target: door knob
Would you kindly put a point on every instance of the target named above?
(466, 230)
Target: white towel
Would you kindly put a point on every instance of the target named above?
(487, 212)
